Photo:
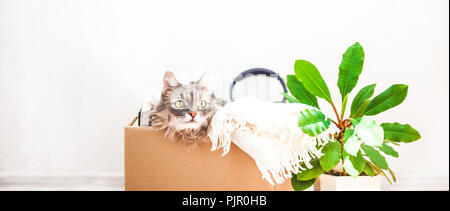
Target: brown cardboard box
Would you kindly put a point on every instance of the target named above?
(152, 162)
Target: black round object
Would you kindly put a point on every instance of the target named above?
(258, 71)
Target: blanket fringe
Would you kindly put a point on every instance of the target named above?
(278, 148)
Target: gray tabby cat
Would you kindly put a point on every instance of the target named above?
(184, 110)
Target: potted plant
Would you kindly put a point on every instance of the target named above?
(353, 154)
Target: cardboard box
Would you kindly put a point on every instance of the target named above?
(152, 162)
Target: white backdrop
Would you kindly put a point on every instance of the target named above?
(73, 73)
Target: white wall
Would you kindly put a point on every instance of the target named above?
(73, 73)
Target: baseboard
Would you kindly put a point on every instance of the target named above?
(419, 181)
(76, 182)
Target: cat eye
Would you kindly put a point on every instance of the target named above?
(179, 104)
(202, 104)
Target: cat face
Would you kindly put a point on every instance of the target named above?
(189, 106)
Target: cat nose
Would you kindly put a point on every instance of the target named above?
(192, 113)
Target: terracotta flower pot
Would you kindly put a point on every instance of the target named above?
(347, 183)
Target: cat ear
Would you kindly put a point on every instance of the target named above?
(204, 80)
(170, 80)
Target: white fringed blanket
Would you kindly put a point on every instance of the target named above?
(268, 132)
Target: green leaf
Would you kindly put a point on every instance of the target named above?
(392, 174)
(369, 131)
(313, 122)
(375, 157)
(331, 155)
(350, 68)
(353, 165)
(301, 185)
(344, 105)
(308, 74)
(360, 99)
(355, 121)
(388, 150)
(379, 171)
(300, 92)
(289, 98)
(360, 111)
(351, 142)
(400, 133)
(369, 170)
(392, 142)
(390, 98)
(311, 173)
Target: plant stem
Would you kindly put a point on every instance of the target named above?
(337, 125)
(341, 125)
(337, 115)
